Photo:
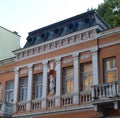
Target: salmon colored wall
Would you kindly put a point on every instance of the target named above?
(83, 114)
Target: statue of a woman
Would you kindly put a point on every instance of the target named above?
(52, 84)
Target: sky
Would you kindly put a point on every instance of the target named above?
(25, 16)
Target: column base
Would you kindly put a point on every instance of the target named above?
(57, 102)
(44, 104)
(14, 108)
(28, 106)
(76, 99)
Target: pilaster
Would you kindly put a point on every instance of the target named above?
(58, 81)
(29, 92)
(95, 65)
(16, 81)
(45, 71)
(76, 78)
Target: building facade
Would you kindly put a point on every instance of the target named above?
(9, 41)
(67, 69)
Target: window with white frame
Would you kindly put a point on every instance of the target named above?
(23, 88)
(110, 70)
(9, 91)
(38, 84)
(68, 80)
(86, 76)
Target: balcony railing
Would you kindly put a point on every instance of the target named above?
(22, 106)
(85, 97)
(106, 91)
(51, 103)
(36, 104)
(67, 100)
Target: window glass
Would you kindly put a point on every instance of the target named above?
(9, 91)
(38, 84)
(23, 88)
(68, 80)
(110, 70)
(86, 76)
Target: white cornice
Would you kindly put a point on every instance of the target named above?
(108, 32)
(109, 44)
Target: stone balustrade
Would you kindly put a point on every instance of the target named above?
(22, 106)
(106, 90)
(36, 104)
(85, 97)
(67, 100)
(51, 103)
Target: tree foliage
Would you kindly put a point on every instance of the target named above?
(110, 12)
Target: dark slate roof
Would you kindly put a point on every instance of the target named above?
(76, 23)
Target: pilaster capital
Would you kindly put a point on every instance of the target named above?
(45, 62)
(58, 59)
(94, 49)
(16, 69)
(75, 56)
(30, 66)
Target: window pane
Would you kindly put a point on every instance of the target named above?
(9, 91)
(91, 80)
(68, 80)
(86, 85)
(86, 76)
(72, 85)
(24, 81)
(68, 86)
(23, 88)
(38, 81)
(110, 70)
(112, 76)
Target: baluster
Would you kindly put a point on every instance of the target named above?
(70, 101)
(103, 89)
(64, 101)
(39, 105)
(107, 91)
(32, 105)
(83, 98)
(88, 97)
(67, 100)
(97, 92)
(100, 92)
(50, 103)
(110, 90)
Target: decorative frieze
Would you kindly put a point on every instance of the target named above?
(67, 61)
(24, 71)
(61, 43)
(85, 56)
(38, 68)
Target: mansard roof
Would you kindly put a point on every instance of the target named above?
(70, 25)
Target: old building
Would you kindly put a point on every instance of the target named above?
(68, 69)
(9, 41)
